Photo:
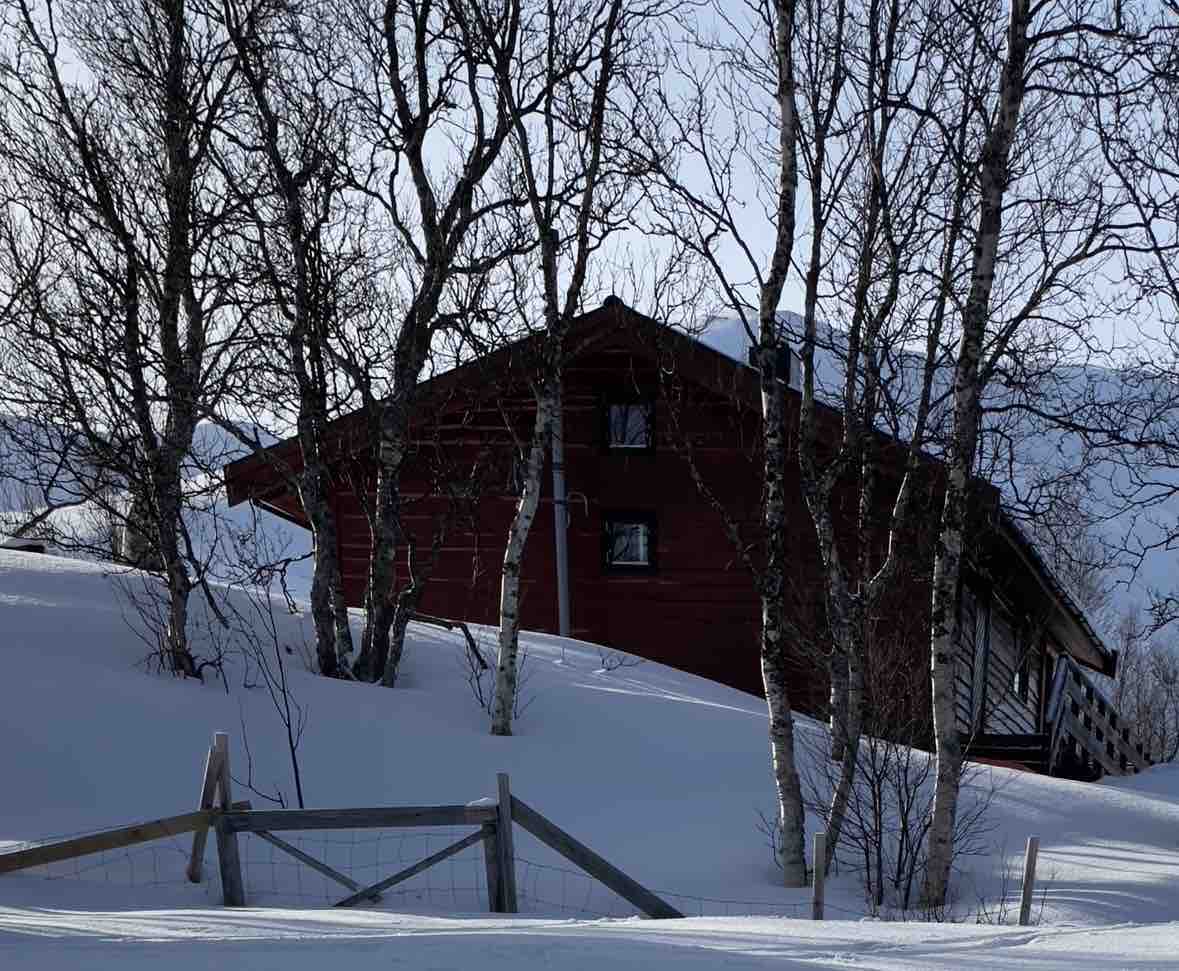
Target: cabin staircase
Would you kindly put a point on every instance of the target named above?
(1086, 738)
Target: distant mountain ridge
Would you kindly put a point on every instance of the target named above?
(1025, 456)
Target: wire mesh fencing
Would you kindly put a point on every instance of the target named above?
(553, 890)
(457, 885)
(160, 863)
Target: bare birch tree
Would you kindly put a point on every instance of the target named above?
(432, 132)
(108, 117)
(871, 239)
(700, 220)
(306, 232)
(1044, 217)
(858, 155)
(575, 194)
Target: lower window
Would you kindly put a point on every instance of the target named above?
(629, 542)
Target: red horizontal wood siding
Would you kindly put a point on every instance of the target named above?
(698, 611)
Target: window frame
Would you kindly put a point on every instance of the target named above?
(629, 517)
(616, 401)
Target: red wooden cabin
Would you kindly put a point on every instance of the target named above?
(652, 570)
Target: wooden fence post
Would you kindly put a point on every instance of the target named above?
(208, 793)
(491, 861)
(1029, 880)
(820, 871)
(506, 846)
(233, 892)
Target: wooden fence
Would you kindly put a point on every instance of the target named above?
(111, 839)
(494, 821)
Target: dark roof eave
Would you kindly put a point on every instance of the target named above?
(1014, 535)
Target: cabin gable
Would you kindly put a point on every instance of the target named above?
(652, 569)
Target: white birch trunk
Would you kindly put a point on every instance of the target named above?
(774, 657)
(993, 176)
(837, 671)
(135, 546)
(507, 666)
(848, 719)
(166, 482)
(333, 635)
(775, 671)
(380, 604)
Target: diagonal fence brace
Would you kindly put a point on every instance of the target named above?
(411, 871)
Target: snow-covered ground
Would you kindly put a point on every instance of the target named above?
(662, 773)
(286, 940)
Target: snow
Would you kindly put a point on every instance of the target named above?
(78, 528)
(287, 940)
(661, 772)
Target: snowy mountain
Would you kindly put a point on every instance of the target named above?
(662, 773)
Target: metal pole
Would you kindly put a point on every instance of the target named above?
(560, 516)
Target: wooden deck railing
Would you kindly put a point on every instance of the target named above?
(1085, 726)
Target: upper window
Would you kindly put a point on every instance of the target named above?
(629, 542)
(630, 425)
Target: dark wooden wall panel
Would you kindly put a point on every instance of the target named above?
(699, 610)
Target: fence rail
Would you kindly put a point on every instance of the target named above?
(111, 839)
(576, 852)
(378, 817)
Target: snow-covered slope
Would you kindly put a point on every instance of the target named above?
(93, 741)
(278, 940)
(662, 772)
